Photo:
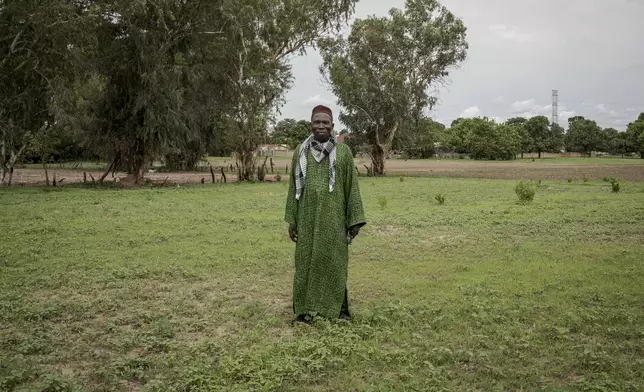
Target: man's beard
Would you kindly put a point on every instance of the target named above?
(322, 138)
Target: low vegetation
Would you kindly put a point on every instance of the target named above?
(188, 288)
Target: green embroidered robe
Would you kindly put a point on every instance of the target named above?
(322, 219)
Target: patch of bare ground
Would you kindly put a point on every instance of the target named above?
(430, 168)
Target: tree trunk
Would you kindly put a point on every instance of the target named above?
(378, 155)
(539, 154)
(642, 154)
(246, 161)
(110, 168)
(44, 166)
(522, 155)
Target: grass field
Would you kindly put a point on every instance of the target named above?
(188, 289)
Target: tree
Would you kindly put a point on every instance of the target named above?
(585, 136)
(635, 132)
(483, 139)
(35, 56)
(518, 123)
(417, 139)
(544, 139)
(290, 132)
(260, 37)
(382, 72)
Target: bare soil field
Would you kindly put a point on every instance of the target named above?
(432, 168)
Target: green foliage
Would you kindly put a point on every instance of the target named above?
(635, 135)
(382, 72)
(483, 139)
(417, 139)
(440, 198)
(584, 136)
(525, 191)
(569, 180)
(543, 136)
(290, 132)
(614, 185)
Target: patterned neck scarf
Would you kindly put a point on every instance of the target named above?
(319, 152)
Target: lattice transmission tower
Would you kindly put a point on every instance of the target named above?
(555, 107)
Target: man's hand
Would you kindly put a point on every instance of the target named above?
(352, 233)
(292, 232)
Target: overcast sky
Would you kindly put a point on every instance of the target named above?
(591, 51)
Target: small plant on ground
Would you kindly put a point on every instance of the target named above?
(569, 180)
(278, 178)
(382, 202)
(525, 191)
(440, 198)
(606, 179)
(615, 184)
(585, 178)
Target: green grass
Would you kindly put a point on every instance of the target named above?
(188, 289)
(559, 161)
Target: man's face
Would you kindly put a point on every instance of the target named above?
(322, 125)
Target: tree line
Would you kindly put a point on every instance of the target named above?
(485, 139)
(129, 82)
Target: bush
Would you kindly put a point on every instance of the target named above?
(278, 178)
(585, 179)
(615, 184)
(525, 191)
(440, 198)
(382, 202)
(569, 180)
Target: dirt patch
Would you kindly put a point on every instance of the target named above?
(431, 168)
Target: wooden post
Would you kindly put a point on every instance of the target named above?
(54, 183)
(224, 175)
(84, 177)
(272, 166)
(212, 173)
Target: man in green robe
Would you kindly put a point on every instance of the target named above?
(324, 212)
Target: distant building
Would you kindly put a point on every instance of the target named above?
(274, 150)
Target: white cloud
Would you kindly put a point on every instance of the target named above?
(520, 106)
(510, 34)
(630, 110)
(601, 109)
(472, 111)
(317, 100)
(497, 119)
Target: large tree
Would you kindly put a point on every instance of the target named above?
(483, 138)
(518, 123)
(383, 71)
(35, 57)
(545, 138)
(261, 36)
(585, 136)
(635, 132)
(290, 132)
(417, 138)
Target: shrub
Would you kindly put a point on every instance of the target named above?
(606, 179)
(440, 198)
(615, 184)
(585, 178)
(382, 202)
(569, 180)
(525, 191)
(278, 178)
